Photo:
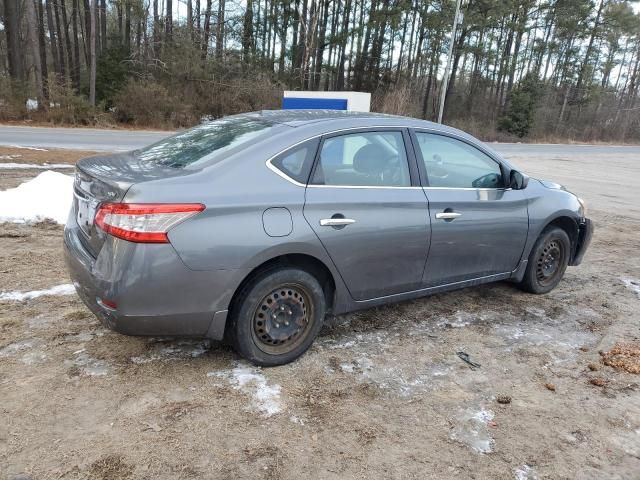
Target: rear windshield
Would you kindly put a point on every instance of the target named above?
(209, 142)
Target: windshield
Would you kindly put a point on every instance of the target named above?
(211, 141)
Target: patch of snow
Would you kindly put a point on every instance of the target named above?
(347, 367)
(64, 289)
(536, 312)
(632, 284)
(459, 320)
(525, 472)
(82, 337)
(563, 334)
(265, 398)
(471, 429)
(32, 358)
(396, 379)
(24, 147)
(376, 338)
(10, 157)
(297, 420)
(173, 350)
(13, 348)
(88, 366)
(47, 196)
(43, 166)
(334, 346)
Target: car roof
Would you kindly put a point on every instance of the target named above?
(299, 118)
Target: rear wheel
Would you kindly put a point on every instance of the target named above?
(276, 316)
(547, 262)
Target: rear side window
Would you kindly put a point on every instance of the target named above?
(296, 163)
(372, 159)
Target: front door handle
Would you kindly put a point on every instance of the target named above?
(336, 222)
(447, 215)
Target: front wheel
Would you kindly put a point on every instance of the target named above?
(547, 262)
(276, 316)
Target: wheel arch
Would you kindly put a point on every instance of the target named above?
(570, 226)
(306, 262)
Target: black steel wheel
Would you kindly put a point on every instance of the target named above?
(547, 262)
(276, 316)
(282, 318)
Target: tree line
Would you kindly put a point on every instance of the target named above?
(539, 68)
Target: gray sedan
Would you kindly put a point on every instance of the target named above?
(254, 227)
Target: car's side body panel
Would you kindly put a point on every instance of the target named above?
(487, 238)
(384, 251)
(547, 205)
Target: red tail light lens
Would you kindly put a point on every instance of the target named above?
(143, 222)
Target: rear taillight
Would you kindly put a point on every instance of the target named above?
(143, 222)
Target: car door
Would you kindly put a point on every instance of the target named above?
(365, 204)
(478, 226)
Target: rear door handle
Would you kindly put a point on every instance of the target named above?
(447, 215)
(336, 222)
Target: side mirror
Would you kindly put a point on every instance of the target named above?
(517, 180)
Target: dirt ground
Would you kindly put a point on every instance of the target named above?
(381, 394)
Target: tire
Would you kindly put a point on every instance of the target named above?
(276, 316)
(548, 261)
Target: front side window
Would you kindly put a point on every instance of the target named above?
(374, 159)
(451, 163)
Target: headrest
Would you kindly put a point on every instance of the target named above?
(370, 159)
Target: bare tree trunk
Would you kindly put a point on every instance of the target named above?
(43, 52)
(168, 21)
(342, 51)
(103, 24)
(92, 72)
(247, 32)
(75, 76)
(323, 13)
(34, 49)
(198, 16)
(189, 17)
(76, 45)
(156, 30)
(207, 27)
(127, 25)
(87, 34)
(358, 74)
(302, 38)
(283, 38)
(12, 28)
(587, 55)
(220, 29)
(59, 34)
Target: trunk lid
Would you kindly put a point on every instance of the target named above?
(107, 178)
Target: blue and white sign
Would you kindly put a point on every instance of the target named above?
(308, 100)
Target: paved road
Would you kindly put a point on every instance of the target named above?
(78, 138)
(113, 140)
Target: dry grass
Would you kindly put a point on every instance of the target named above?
(110, 467)
(623, 356)
(24, 155)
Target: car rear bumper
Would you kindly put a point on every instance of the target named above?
(153, 291)
(585, 233)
